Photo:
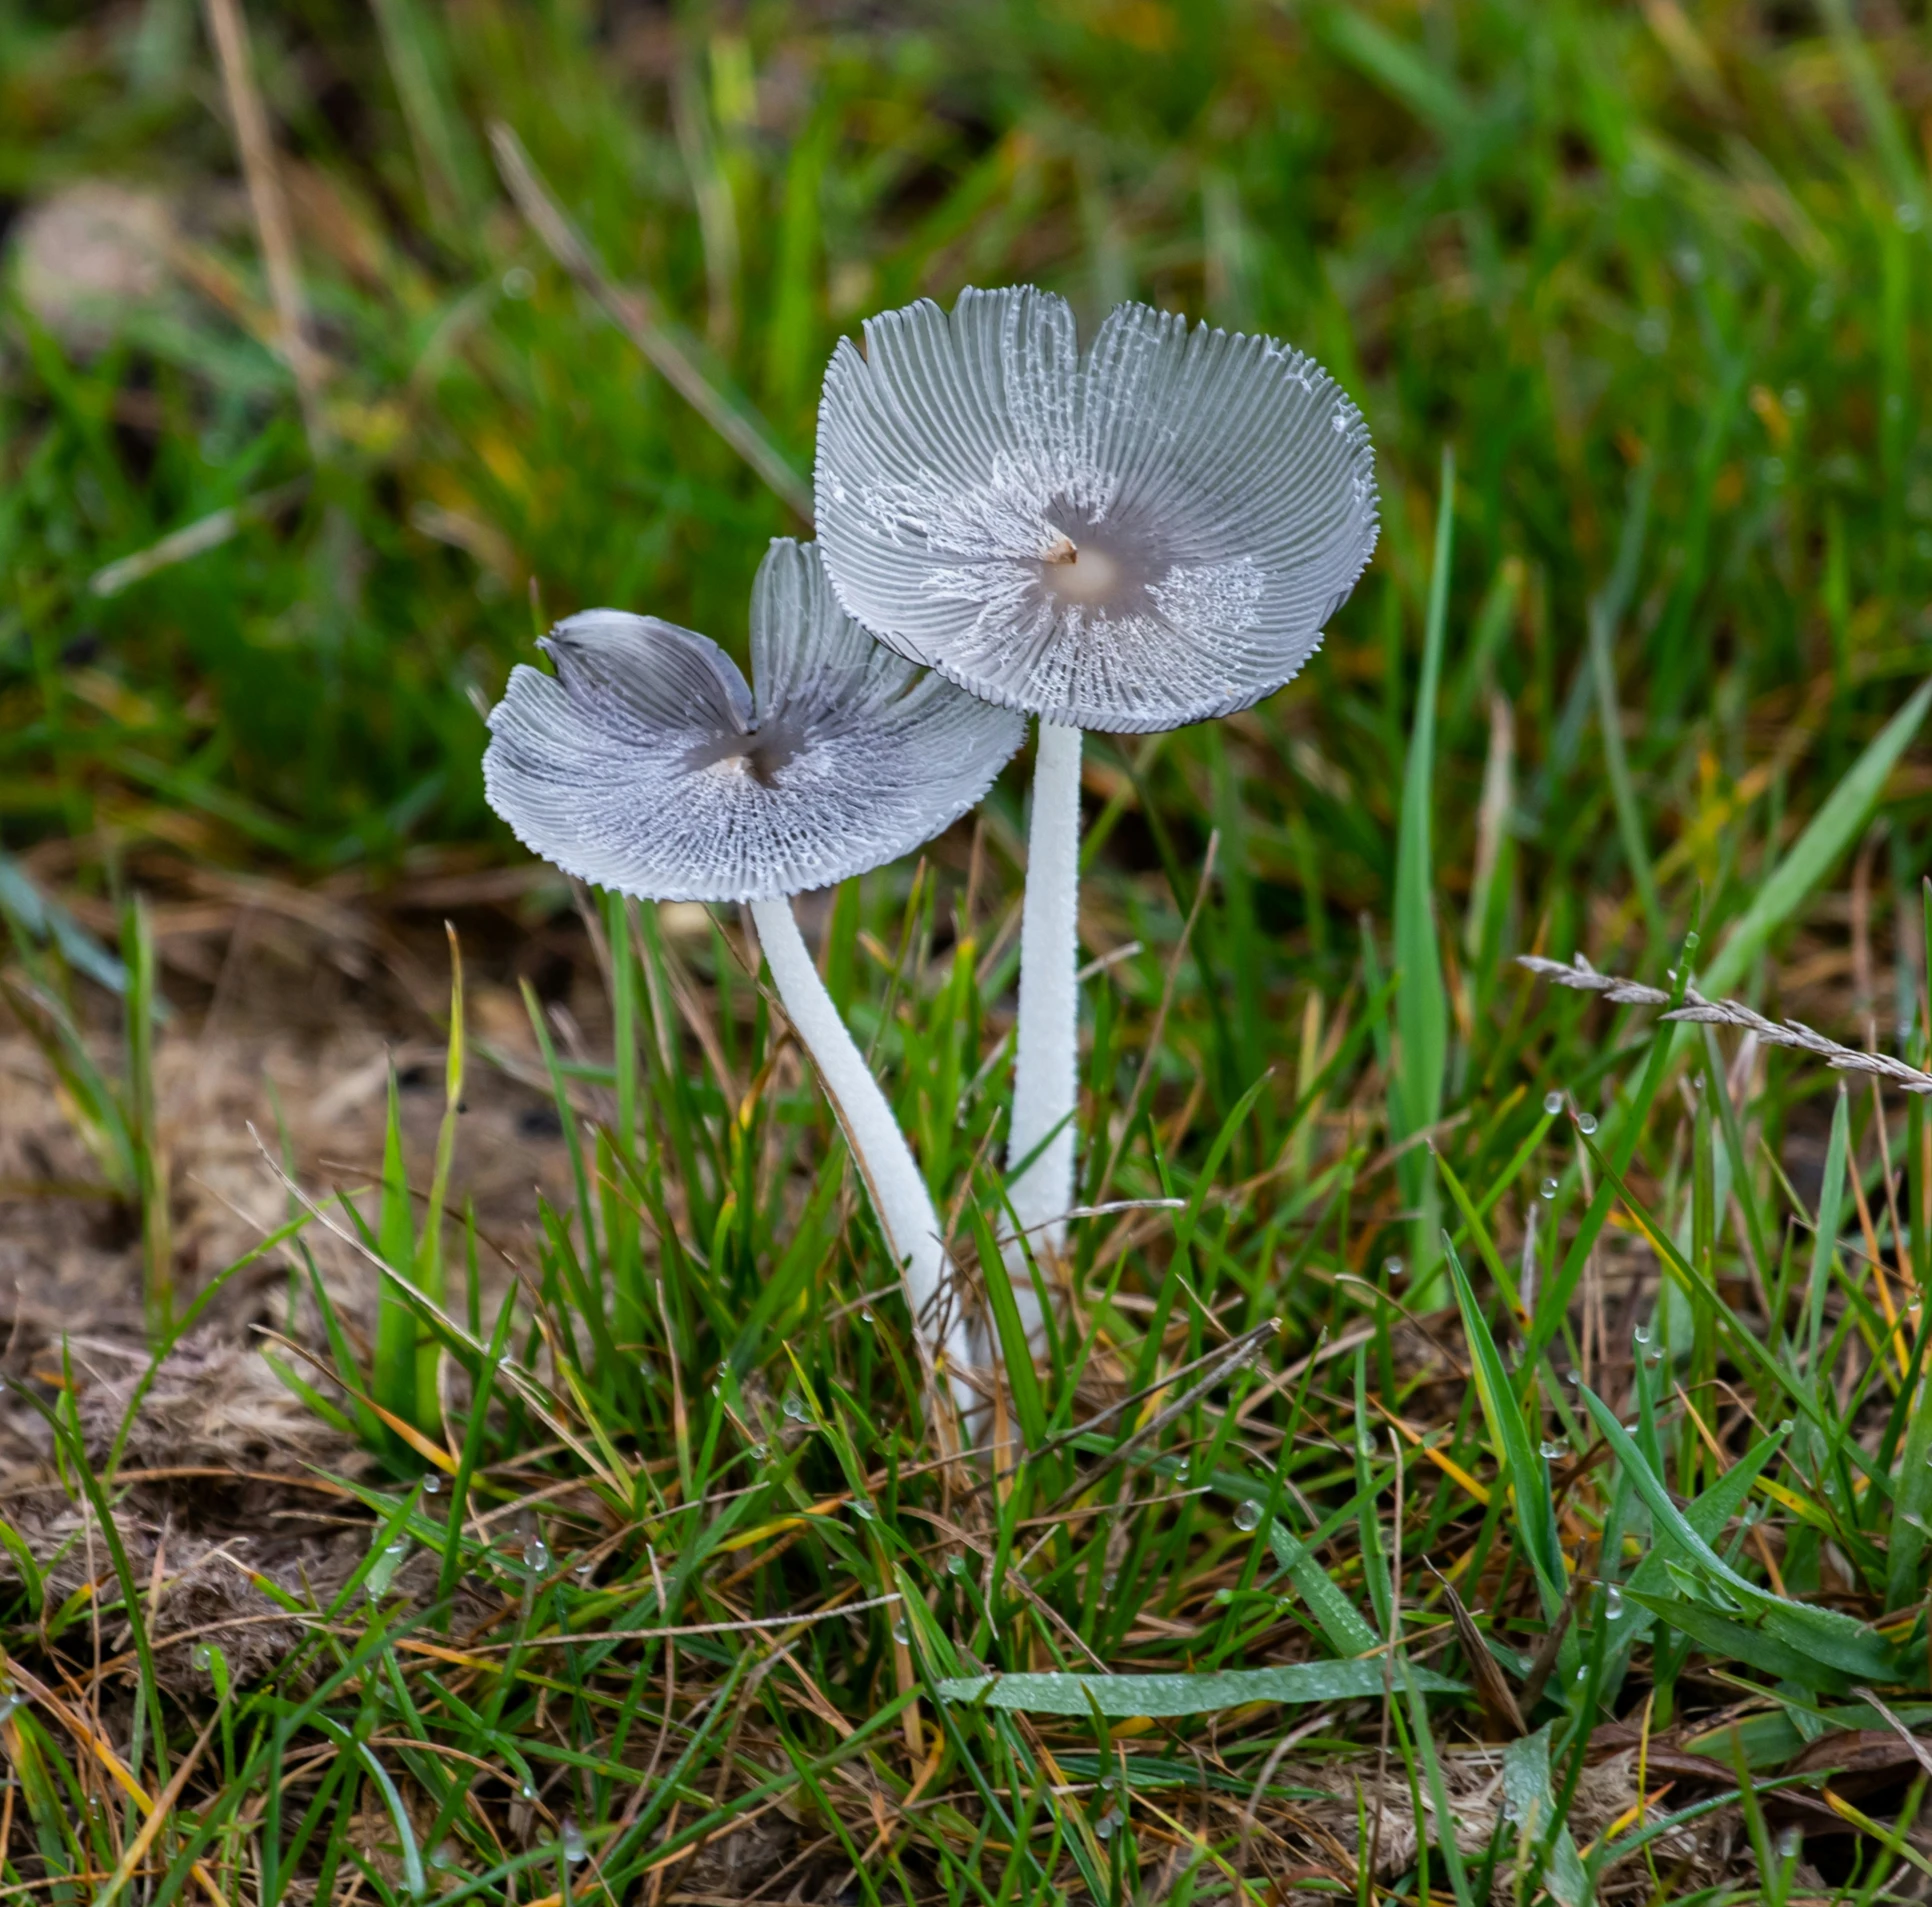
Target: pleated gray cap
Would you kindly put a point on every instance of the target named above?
(1137, 538)
(647, 764)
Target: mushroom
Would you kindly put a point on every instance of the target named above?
(1132, 540)
(646, 765)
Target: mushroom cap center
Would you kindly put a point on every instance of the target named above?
(1086, 574)
(757, 756)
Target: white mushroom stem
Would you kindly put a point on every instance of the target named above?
(1046, 1064)
(892, 1176)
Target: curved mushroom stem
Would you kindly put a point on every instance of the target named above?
(892, 1176)
(1046, 1065)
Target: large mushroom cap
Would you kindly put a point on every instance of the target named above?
(1144, 537)
(646, 764)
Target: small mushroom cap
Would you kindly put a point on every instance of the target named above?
(647, 765)
(1144, 537)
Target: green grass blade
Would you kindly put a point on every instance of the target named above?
(393, 1378)
(1831, 1205)
(1912, 1500)
(1826, 838)
(1422, 1001)
(154, 1185)
(1833, 1638)
(1525, 1475)
(1115, 1696)
(1343, 1624)
(429, 1272)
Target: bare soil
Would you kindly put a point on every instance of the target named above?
(287, 1013)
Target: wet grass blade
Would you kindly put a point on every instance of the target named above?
(1156, 1695)
(1526, 1474)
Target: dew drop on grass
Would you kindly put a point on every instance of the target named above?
(382, 1572)
(865, 1317)
(1586, 1123)
(10, 1700)
(902, 1632)
(1551, 1449)
(1641, 1334)
(203, 1657)
(1552, 1102)
(1653, 1358)
(1785, 1427)
(572, 1840)
(526, 1793)
(1613, 1602)
(956, 1563)
(1247, 1516)
(432, 1484)
(1791, 1843)
(862, 1509)
(1693, 938)
(536, 1554)
(1111, 1581)
(794, 1407)
(1392, 1267)
(1547, 1189)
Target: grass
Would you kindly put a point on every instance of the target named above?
(1438, 1412)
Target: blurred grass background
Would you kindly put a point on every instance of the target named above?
(1656, 275)
(1603, 251)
